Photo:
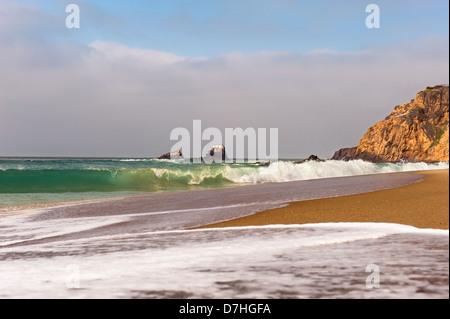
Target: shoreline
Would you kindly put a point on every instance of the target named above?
(12, 210)
(363, 205)
(424, 204)
(146, 241)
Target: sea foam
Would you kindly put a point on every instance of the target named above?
(284, 171)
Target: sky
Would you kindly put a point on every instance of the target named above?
(136, 70)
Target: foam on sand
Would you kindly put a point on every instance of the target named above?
(276, 261)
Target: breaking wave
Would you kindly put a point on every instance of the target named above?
(187, 176)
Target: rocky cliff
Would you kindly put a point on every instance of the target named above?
(416, 131)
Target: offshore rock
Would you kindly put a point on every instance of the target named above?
(218, 152)
(172, 155)
(313, 158)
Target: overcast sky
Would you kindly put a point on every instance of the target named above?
(135, 70)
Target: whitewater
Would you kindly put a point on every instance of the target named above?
(133, 233)
(40, 180)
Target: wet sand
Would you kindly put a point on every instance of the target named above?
(424, 204)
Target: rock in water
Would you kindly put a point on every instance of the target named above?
(172, 155)
(417, 131)
(217, 154)
(313, 158)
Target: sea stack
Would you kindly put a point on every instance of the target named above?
(218, 152)
(417, 131)
(312, 158)
(172, 155)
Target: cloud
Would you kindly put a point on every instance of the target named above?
(109, 99)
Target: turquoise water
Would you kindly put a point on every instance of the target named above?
(145, 248)
(37, 180)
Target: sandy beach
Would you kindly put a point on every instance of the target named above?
(424, 204)
(144, 246)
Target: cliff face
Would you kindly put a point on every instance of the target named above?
(416, 131)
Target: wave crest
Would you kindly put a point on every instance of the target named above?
(288, 171)
(186, 176)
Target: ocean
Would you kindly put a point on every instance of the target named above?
(122, 228)
(42, 180)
